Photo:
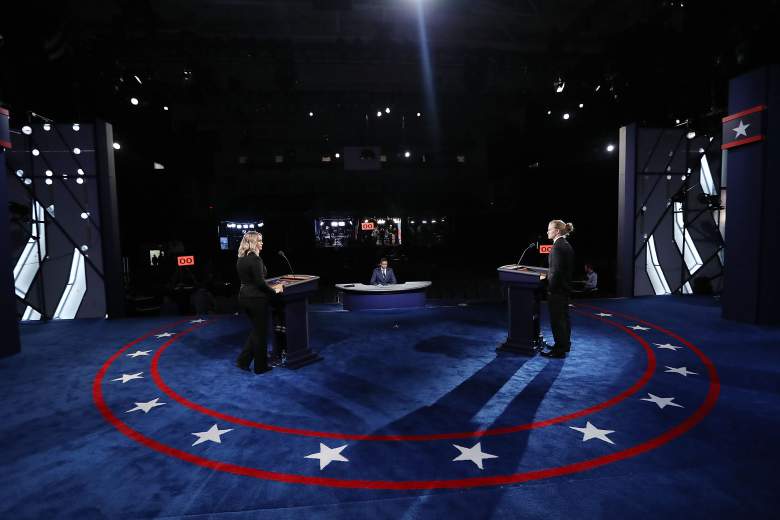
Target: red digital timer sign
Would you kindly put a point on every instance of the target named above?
(367, 226)
(545, 249)
(185, 261)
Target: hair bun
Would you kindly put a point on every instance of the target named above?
(569, 228)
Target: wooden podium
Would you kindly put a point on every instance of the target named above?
(524, 290)
(295, 302)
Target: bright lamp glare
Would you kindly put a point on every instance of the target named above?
(117, 146)
(610, 147)
(134, 101)
(26, 129)
(566, 115)
(407, 154)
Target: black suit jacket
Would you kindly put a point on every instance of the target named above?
(561, 267)
(252, 273)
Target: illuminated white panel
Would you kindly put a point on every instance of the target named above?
(31, 314)
(27, 266)
(684, 241)
(708, 186)
(74, 290)
(654, 271)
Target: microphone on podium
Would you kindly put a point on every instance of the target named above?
(281, 253)
(532, 244)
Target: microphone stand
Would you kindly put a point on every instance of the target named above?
(281, 253)
(532, 244)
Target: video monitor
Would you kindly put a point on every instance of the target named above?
(380, 231)
(231, 232)
(334, 231)
(428, 231)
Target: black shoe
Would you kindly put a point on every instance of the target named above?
(555, 354)
(264, 370)
(276, 362)
(242, 367)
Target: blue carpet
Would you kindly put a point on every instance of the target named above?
(409, 404)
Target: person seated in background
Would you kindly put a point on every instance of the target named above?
(383, 275)
(591, 283)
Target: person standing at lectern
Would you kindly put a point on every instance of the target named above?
(383, 275)
(253, 299)
(559, 287)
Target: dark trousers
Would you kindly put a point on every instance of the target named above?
(560, 324)
(256, 345)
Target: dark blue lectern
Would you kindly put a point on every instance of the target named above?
(295, 303)
(524, 284)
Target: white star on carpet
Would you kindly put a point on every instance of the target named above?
(145, 407)
(667, 346)
(129, 377)
(474, 454)
(163, 335)
(603, 314)
(683, 371)
(214, 435)
(740, 130)
(638, 327)
(591, 432)
(662, 402)
(328, 455)
(139, 353)
(199, 320)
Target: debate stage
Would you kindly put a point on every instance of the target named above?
(661, 408)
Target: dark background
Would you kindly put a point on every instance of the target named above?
(240, 78)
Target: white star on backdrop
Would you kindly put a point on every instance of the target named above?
(662, 402)
(638, 327)
(129, 377)
(199, 320)
(683, 371)
(214, 434)
(164, 335)
(591, 432)
(474, 454)
(328, 455)
(667, 346)
(740, 130)
(139, 353)
(603, 314)
(145, 407)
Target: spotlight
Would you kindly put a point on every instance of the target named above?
(19, 173)
(342, 223)
(85, 215)
(76, 127)
(311, 114)
(677, 121)
(35, 152)
(49, 181)
(137, 79)
(84, 248)
(582, 105)
(701, 150)
(379, 113)
(691, 134)
(46, 127)
(566, 115)
(418, 114)
(261, 224)
(79, 180)
(77, 151)
(559, 85)
(549, 112)
(334, 224)
(598, 87)
(337, 155)
(668, 177)
(610, 147)
(387, 110)
(407, 154)
(49, 173)
(165, 108)
(80, 171)
(424, 221)
(117, 146)
(134, 101)
(26, 129)
(27, 182)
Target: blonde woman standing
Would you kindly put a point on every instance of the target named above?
(559, 287)
(253, 299)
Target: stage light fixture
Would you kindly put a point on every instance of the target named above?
(77, 151)
(79, 180)
(80, 171)
(598, 87)
(582, 105)
(701, 150)
(165, 107)
(311, 114)
(49, 181)
(407, 154)
(379, 113)
(76, 127)
(35, 152)
(411, 221)
(559, 85)
(644, 208)
(337, 155)
(117, 146)
(433, 221)
(261, 224)
(566, 115)
(137, 79)
(334, 223)
(682, 178)
(418, 114)
(387, 110)
(342, 223)
(610, 147)
(26, 129)
(84, 215)
(549, 112)
(424, 221)
(46, 127)
(49, 173)
(19, 173)
(668, 177)
(84, 248)
(691, 134)
(134, 101)
(27, 182)
(381, 221)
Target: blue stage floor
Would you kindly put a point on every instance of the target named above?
(662, 409)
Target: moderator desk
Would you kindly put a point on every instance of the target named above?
(524, 293)
(359, 296)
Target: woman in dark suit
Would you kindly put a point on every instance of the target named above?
(253, 299)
